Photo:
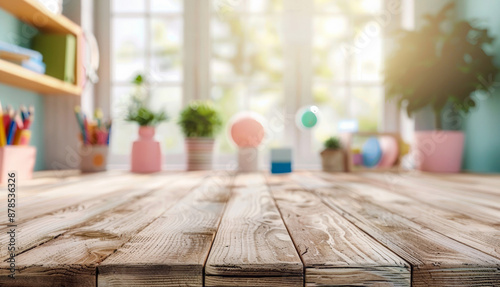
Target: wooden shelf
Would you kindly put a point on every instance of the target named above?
(34, 14)
(17, 76)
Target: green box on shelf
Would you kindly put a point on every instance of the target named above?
(59, 55)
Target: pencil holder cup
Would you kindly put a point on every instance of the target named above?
(18, 159)
(94, 158)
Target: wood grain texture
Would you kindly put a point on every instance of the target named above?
(76, 253)
(457, 225)
(334, 251)
(252, 240)
(472, 204)
(436, 259)
(47, 226)
(225, 281)
(172, 250)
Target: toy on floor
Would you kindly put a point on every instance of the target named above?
(281, 160)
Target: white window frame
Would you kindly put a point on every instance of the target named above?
(297, 83)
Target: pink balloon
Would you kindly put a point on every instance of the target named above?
(390, 151)
(247, 132)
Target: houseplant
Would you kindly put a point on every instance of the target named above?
(146, 152)
(440, 66)
(333, 157)
(199, 122)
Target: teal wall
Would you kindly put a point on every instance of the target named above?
(15, 32)
(482, 126)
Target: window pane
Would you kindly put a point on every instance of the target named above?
(123, 133)
(349, 6)
(332, 6)
(264, 51)
(128, 48)
(366, 64)
(330, 27)
(166, 6)
(169, 99)
(229, 100)
(329, 55)
(166, 49)
(366, 6)
(262, 6)
(127, 6)
(268, 101)
(367, 107)
(227, 49)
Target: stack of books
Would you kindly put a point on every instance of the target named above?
(26, 58)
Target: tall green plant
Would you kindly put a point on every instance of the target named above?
(440, 65)
(200, 119)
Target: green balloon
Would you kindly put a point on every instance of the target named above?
(309, 119)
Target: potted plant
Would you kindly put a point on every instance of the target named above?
(146, 152)
(199, 122)
(440, 66)
(333, 157)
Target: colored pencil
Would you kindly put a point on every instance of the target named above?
(12, 131)
(86, 129)
(80, 123)
(3, 138)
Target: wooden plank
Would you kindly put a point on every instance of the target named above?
(17, 76)
(436, 259)
(454, 224)
(46, 227)
(465, 193)
(252, 240)
(72, 257)
(437, 197)
(284, 281)
(469, 182)
(64, 196)
(334, 251)
(35, 14)
(172, 250)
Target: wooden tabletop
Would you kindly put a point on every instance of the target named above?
(222, 229)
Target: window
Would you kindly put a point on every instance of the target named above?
(147, 39)
(267, 56)
(247, 61)
(347, 64)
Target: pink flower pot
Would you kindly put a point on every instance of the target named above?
(199, 153)
(146, 152)
(439, 151)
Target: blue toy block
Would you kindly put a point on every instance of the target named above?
(281, 167)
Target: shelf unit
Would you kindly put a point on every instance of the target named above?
(34, 14)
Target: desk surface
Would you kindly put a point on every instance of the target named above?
(221, 229)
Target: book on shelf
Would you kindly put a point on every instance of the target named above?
(24, 57)
(11, 50)
(59, 54)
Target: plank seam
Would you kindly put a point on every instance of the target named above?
(231, 187)
(289, 234)
(336, 209)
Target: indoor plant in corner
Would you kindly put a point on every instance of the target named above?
(199, 122)
(333, 157)
(440, 66)
(146, 152)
